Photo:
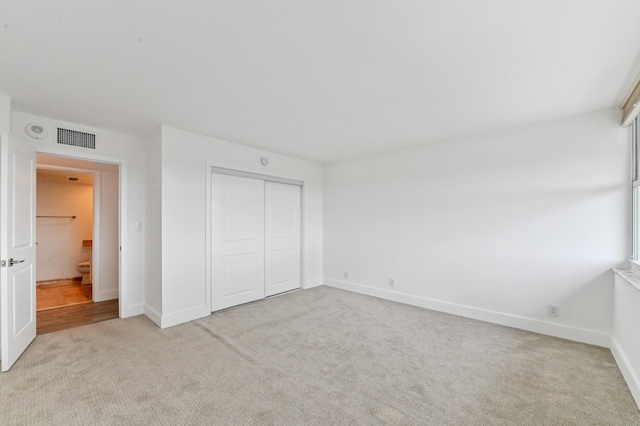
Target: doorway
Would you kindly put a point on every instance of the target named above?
(18, 164)
(77, 252)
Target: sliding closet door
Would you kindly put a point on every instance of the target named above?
(282, 237)
(237, 227)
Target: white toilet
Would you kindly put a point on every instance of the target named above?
(85, 270)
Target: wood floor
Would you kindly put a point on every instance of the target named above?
(63, 293)
(57, 319)
(68, 305)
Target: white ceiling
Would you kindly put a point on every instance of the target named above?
(320, 80)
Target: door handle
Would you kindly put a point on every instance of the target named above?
(13, 262)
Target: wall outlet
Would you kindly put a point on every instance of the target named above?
(392, 282)
(553, 310)
(346, 275)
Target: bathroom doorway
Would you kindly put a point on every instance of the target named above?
(77, 251)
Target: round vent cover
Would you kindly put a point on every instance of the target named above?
(36, 131)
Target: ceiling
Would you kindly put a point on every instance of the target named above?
(319, 80)
(65, 176)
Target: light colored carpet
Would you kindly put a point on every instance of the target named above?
(321, 356)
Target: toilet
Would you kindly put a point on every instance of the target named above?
(85, 270)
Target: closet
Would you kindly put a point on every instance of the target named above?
(255, 238)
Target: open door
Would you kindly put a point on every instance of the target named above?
(17, 248)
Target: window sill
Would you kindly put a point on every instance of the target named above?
(631, 275)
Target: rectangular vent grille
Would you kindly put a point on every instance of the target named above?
(76, 138)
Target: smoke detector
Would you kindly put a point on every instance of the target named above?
(36, 131)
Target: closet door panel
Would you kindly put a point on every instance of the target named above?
(237, 227)
(282, 237)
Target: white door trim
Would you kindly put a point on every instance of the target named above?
(267, 178)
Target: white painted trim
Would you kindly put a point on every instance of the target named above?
(184, 316)
(123, 233)
(208, 273)
(631, 276)
(4, 227)
(633, 266)
(254, 170)
(303, 280)
(258, 176)
(556, 330)
(152, 314)
(96, 238)
(630, 375)
(132, 311)
(312, 282)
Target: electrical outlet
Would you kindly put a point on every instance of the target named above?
(346, 275)
(392, 282)
(554, 310)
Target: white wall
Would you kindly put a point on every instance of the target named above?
(153, 252)
(5, 113)
(496, 226)
(59, 240)
(107, 266)
(625, 343)
(112, 148)
(185, 159)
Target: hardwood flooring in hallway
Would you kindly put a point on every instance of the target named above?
(69, 304)
(56, 319)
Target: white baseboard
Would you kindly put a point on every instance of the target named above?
(556, 330)
(132, 311)
(312, 282)
(626, 368)
(153, 315)
(184, 316)
(105, 295)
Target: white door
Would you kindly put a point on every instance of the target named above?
(282, 237)
(17, 249)
(237, 228)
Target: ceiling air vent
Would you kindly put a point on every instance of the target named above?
(76, 138)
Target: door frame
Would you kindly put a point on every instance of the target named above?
(95, 221)
(123, 284)
(216, 167)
